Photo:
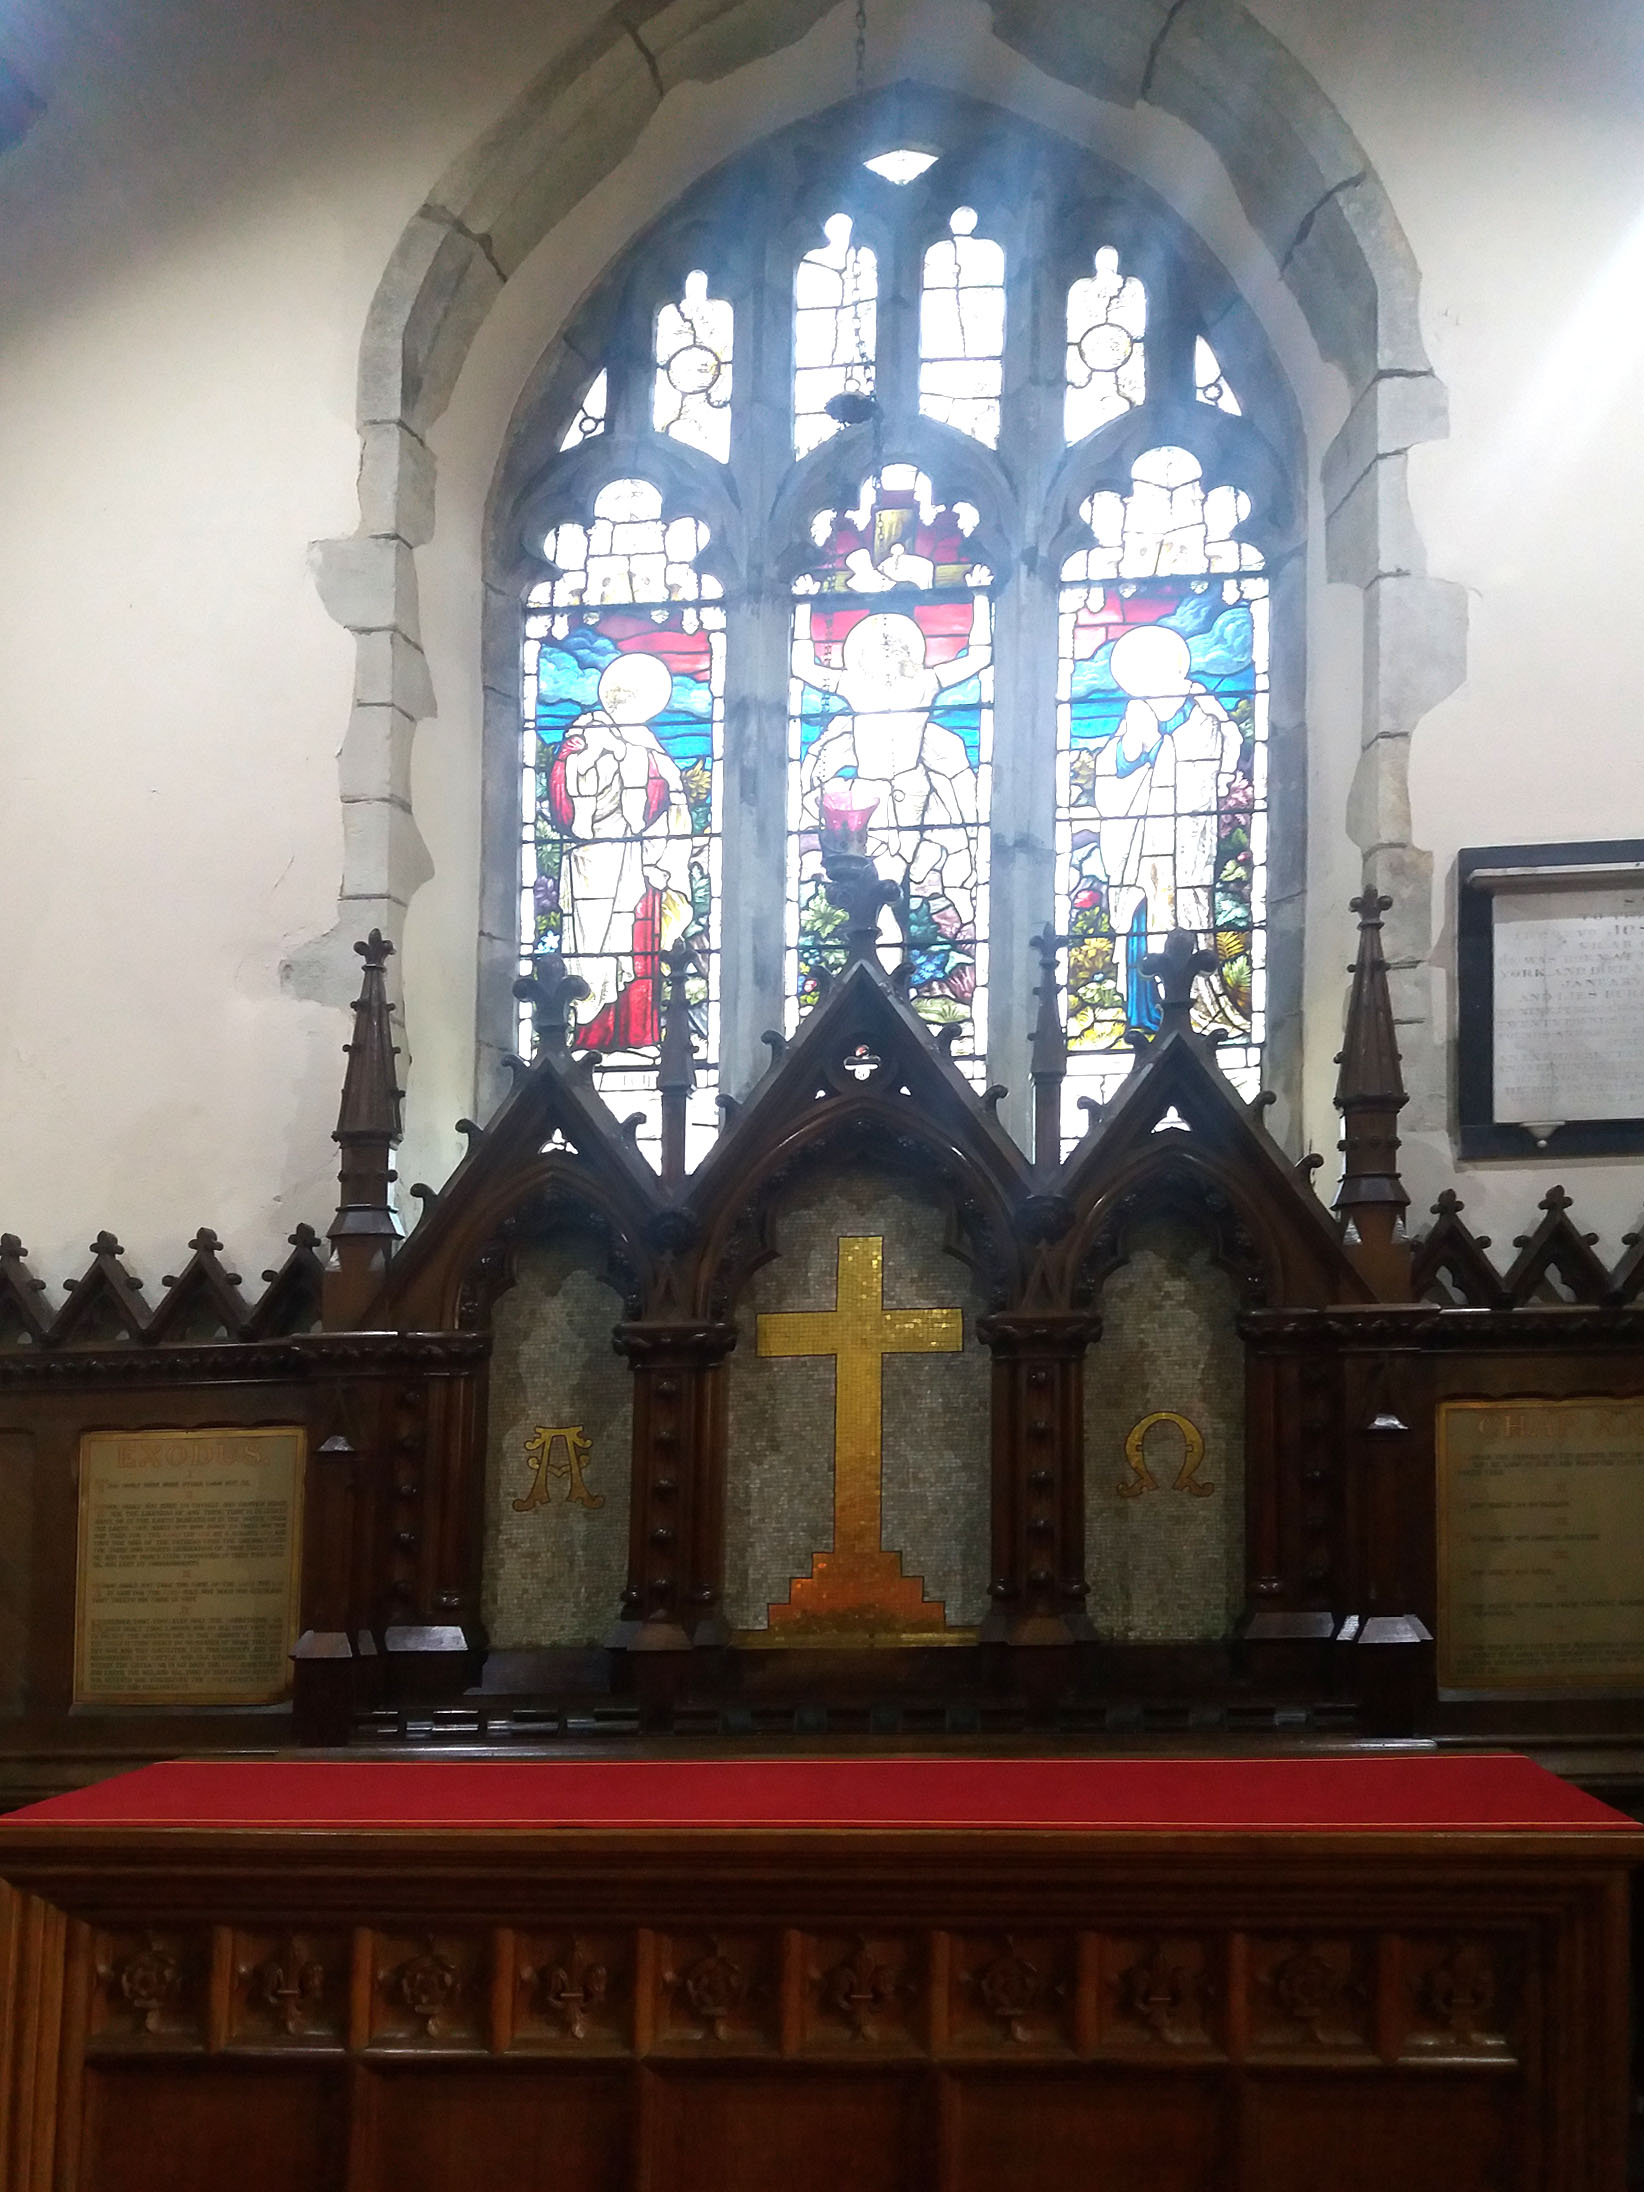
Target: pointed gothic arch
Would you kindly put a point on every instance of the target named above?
(1299, 175)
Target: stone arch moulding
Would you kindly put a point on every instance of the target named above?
(1303, 181)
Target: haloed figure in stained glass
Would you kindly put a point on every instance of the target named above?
(1160, 783)
(625, 882)
(887, 765)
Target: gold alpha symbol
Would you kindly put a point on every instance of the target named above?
(859, 1580)
(1142, 1479)
(559, 1453)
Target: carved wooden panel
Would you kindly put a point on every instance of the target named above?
(429, 1990)
(1461, 1996)
(1012, 1993)
(572, 1992)
(289, 1989)
(1312, 1994)
(864, 1994)
(718, 1992)
(1160, 1994)
(150, 1990)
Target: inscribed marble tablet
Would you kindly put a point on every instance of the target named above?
(190, 1547)
(1541, 1514)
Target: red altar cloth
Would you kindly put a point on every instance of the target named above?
(1416, 1793)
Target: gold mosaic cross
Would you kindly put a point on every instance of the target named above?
(859, 1580)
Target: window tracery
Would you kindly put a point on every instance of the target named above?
(965, 386)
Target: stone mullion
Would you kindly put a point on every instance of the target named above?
(1021, 893)
(753, 853)
(1022, 897)
(753, 804)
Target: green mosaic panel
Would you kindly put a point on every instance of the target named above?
(936, 1471)
(1165, 1559)
(554, 1572)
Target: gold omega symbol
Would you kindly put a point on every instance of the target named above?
(1142, 1479)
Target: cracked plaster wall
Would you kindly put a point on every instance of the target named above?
(195, 235)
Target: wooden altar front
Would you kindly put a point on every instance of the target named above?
(898, 1975)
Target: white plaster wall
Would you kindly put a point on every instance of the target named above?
(1509, 138)
(189, 243)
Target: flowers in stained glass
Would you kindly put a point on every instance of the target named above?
(1106, 363)
(1161, 769)
(624, 675)
(590, 418)
(1209, 381)
(962, 330)
(890, 732)
(692, 395)
(835, 330)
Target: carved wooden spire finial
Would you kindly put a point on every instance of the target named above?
(855, 885)
(550, 989)
(366, 1226)
(676, 1063)
(1049, 1055)
(1370, 1095)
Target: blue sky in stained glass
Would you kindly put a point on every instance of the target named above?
(1221, 651)
(568, 686)
(959, 710)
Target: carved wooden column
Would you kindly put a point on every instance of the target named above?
(1038, 1587)
(677, 1528)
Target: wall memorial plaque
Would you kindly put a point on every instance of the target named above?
(1550, 980)
(189, 1561)
(1541, 1514)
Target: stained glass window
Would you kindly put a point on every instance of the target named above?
(590, 418)
(692, 401)
(890, 737)
(624, 709)
(871, 555)
(1209, 381)
(1161, 766)
(962, 330)
(835, 331)
(1106, 363)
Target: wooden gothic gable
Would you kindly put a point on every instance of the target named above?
(104, 1306)
(1556, 1262)
(25, 1320)
(294, 1290)
(203, 1301)
(1450, 1266)
(551, 1145)
(1178, 1136)
(862, 1082)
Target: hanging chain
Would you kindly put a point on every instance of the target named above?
(861, 47)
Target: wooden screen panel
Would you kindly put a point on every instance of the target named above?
(786, 2132)
(445, 2129)
(1095, 2131)
(185, 2127)
(1365, 2134)
(16, 1546)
